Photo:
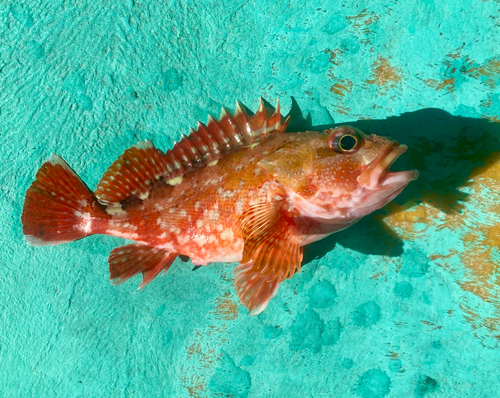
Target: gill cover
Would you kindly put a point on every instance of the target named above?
(292, 166)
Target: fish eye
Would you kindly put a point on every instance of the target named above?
(345, 139)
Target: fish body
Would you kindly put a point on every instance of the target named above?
(239, 189)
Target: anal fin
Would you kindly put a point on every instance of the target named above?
(130, 260)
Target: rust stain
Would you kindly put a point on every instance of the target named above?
(491, 323)
(384, 75)
(479, 260)
(362, 23)
(205, 357)
(365, 17)
(202, 353)
(448, 84)
(409, 220)
(434, 326)
(334, 56)
(226, 308)
(441, 257)
(344, 110)
(412, 219)
(481, 255)
(377, 275)
(488, 176)
(342, 87)
(490, 69)
(495, 118)
(194, 385)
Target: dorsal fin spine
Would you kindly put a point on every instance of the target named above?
(172, 160)
(199, 144)
(202, 134)
(274, 121)
(190, 150)
(218, 134)
(230, 128)
(182, 156)
(259, 120)
(241, 120)
(210, 142)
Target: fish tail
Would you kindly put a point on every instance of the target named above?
(59, 207)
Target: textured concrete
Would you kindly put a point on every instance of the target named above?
(403, 304)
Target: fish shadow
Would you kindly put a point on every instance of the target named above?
(448, 151)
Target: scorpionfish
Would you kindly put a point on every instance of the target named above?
(238, 189)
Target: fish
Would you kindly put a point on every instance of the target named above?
(240, 189)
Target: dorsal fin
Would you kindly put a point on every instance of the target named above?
(134, 172)
(131, 174)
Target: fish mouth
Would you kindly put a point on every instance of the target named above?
(378, 175)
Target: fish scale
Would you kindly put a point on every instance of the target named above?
(238, 189)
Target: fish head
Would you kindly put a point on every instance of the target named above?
(340, 173)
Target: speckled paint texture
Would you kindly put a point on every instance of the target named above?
(403, 304)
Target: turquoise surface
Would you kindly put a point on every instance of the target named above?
(403, 304)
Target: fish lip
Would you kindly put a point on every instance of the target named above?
(378, 175)
(393, 177)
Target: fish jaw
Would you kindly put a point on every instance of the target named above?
(377, 175)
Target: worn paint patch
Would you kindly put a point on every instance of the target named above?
(384, 74)
(226, 308)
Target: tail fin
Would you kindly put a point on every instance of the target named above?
(59, 207)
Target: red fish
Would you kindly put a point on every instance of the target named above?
(239, 189)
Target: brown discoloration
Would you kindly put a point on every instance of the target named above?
(342, 87)
(226, 308)
(334, 56)
(487, 72)
(362, 24)
(194, 385)
(490, 69)
(365, 18)
(494, 118)
(478, 258)
(405, 217)
(434, 326)
(384, 75)
(448, 84)
(441, 256)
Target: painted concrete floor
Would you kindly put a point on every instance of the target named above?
(403, 304)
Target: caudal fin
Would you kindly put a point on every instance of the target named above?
(59, 207)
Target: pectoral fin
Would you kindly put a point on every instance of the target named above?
(271, 254)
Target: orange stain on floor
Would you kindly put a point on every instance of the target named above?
(226, 308)
(362, 25)
(384, 75)
(490, 68)
(445, 84)
(340, 87)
